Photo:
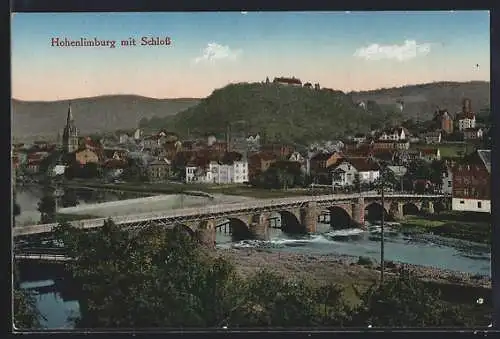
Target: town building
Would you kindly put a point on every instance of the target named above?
(219, 173)
(287, 81)
(394, 134)
(86, 156)
(359, 137)
(319, 165)
(444, 121)
(430, 154)
(70, 141)
(259, 163)
(471, 189)
(466, 119)
(34, 161)
(471, 134)
(447, 181)
(137, 134)
(434, 137)
(158, 170)
(345, 173)
(281, 151)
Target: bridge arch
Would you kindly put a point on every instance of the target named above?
(290, 223)
(374, 210)
(239, 229)
(410, 208)
(339, 217)
(184, 229)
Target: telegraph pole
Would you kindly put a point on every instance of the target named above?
(382, 221)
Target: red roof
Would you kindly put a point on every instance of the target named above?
(323, 156)
(363, 164)
(89, 142)
(36, 156)
(429, 151)
(266, 156)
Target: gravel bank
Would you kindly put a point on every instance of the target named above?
(339, 269)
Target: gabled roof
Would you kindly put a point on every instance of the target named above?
(485, 156)
(361, 164)
(266, 156)
(322, 156)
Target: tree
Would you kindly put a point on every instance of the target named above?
(47, 208)
(26, 314)
(357, 182)
(405, 302)
(16, 208)
(69, 198)
(153, 278)
(438, 168)
(419, 170)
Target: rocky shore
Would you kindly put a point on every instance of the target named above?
(340, 269)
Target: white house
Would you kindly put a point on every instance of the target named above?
(344, 174)
(359, 138)
(137, 134)
(57, 170)
(466, 121)
(473, 133)
(123, 138)
(217, 173)
(192, 173)
(297, 157)
(447, 182)
(394, 134)
(434, 137)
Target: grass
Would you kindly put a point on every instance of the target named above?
(474, 227)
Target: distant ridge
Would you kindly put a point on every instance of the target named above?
(94, 114)
(421, 100)
(106, 113)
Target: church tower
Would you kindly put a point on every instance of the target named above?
(70, 133)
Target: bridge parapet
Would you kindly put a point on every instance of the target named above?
(221, 210)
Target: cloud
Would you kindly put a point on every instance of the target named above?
(408, 50)
(215, 51)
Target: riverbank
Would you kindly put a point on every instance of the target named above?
(474, 227)
(194, 189)
(456, 287)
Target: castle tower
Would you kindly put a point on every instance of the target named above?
(466, 106)
(70, 133)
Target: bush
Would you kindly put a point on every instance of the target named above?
(365, 261)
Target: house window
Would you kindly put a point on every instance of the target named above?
(449, 183)
(479, 204)
(461, 201)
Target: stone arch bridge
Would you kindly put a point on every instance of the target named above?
(251, 219)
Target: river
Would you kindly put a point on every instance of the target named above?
(426, 250)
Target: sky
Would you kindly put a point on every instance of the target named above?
(345, 51)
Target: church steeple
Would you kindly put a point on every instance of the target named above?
(70, 133)
(69, 118)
